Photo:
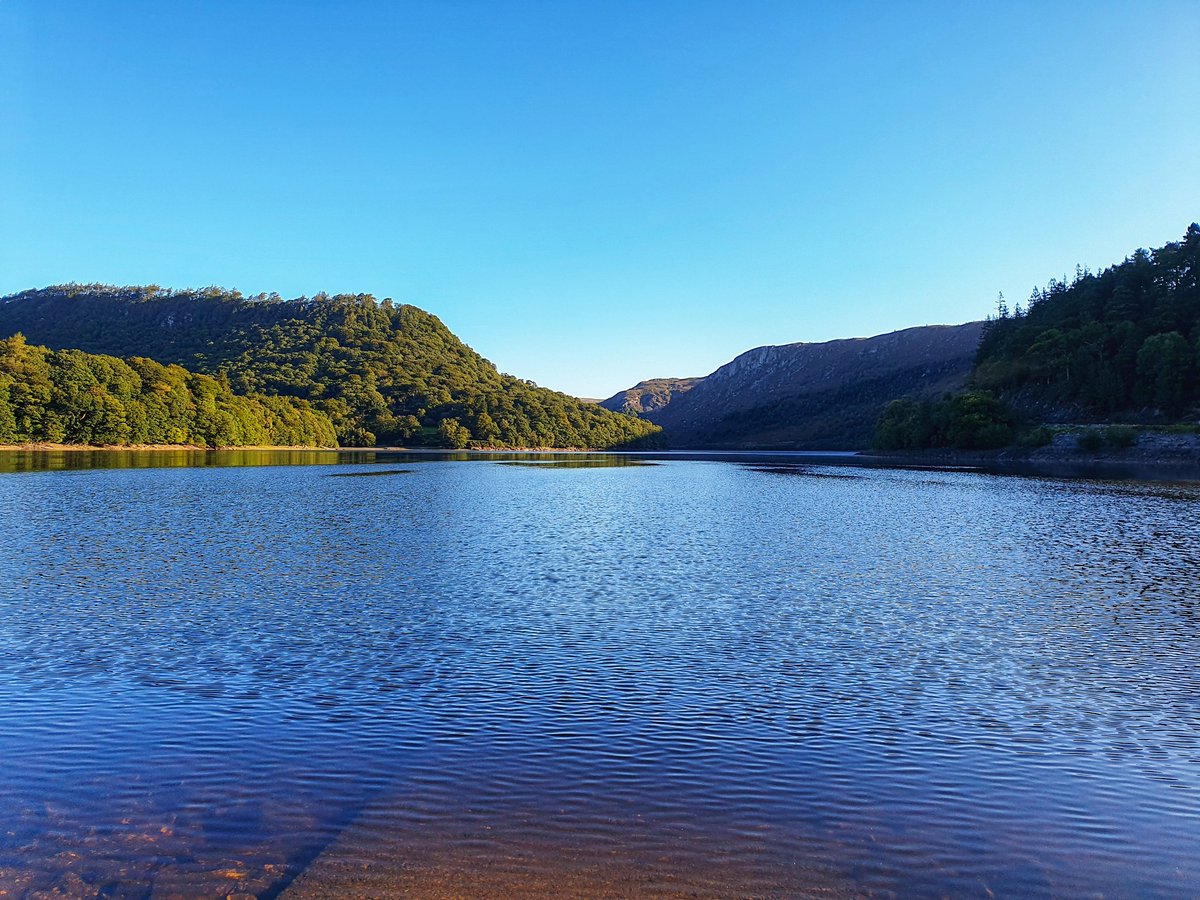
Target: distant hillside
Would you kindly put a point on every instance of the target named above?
(72, 397)
(648, 396)
(382, 372)
(817, 396)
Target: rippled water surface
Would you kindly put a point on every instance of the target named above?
(593, 676)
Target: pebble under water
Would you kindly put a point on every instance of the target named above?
(588, 676)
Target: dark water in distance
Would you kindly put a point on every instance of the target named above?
(595, 676)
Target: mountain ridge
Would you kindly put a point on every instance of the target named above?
(649, 395)
(815, 395)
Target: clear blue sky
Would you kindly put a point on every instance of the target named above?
(594, 193)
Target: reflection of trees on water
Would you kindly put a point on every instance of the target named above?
(62, 460)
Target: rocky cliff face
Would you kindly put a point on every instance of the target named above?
(815, 396)
(648, 396)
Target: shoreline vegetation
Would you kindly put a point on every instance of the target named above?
(1118, 349)
(72, 397)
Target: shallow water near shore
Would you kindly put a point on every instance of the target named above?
(590, 675)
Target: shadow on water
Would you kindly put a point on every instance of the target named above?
(371, 474)
(591, 462)
(799, 471)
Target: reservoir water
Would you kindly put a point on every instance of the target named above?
(331, 675)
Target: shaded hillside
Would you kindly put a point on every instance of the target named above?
(819, 396)
(381, 371)
(1124, 341)
(647, 396)
(72, 397)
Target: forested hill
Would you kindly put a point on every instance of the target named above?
(383, 372)
(1122, 345)
(1123, 341)
(72, 397)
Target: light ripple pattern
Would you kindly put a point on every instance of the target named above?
(593, 676)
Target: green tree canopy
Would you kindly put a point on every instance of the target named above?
(1122, 340)
(380, 371)
(68, 396)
